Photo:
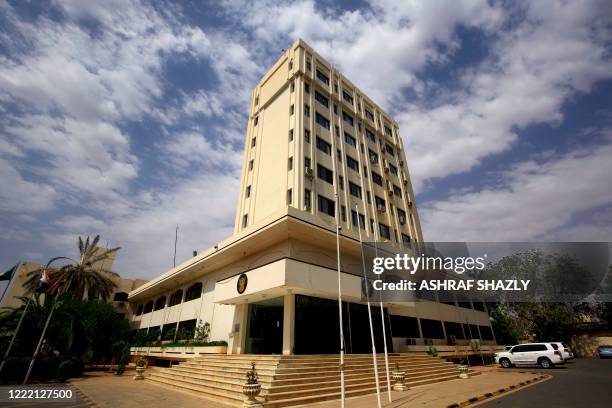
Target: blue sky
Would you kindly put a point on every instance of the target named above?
(127, 118)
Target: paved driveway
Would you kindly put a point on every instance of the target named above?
(579, 383)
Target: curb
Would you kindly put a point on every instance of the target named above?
(500, 391)
(90, 403)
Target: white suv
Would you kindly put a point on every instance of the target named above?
(543, 354)
(566, 351)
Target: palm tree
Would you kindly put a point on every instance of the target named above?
(88, 276)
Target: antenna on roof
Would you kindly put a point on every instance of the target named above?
(175, 241)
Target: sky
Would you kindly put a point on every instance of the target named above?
(125, 119)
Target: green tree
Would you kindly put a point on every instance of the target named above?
(88, 277)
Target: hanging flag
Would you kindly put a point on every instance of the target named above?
(55, 285)
(44, 282)
(8, 274)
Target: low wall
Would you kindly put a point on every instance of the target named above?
(585, 344)
(177, 352)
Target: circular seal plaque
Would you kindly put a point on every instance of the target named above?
(242, 283)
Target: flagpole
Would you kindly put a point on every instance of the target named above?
(10, 346)
(54, 304)
(382, 320)
(340, 302)
(40, 341)
(15, 271)
(367, 291)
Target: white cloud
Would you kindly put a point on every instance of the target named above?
(557, 51)
(18, 194)
(533, 200)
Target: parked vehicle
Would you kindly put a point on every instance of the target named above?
(508, 348)
(566, 351)
(604, 351)
(542, 354)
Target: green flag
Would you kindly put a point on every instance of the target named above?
(8, 274)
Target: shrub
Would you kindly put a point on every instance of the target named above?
(123, 360)
(65, 370)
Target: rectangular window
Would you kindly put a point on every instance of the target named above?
(401, 216)
(307, 162)
(322, 120)
(307, 135)
(372, 225)
(306, 87)
(355, 190)
(290, 196)
(290, 163)
(335, 109)
(384, 231)
(397, 191)
(377, 179)
(248, 191)
(362, 148)
(350, 140)
(370, 135)
(291, 135)
(341, 182)
(253, 142)
(389, 150)
(250, 165)
(369, 197)
(245, 220)
(307, 111)
(369, 115)
(380, 201)
(256, 121)
(322, 77)
(348, 118)
(291, 109)
(406, 239)
(365, 171)
(292, 87)
(308, 66)
(373, 156)
(325, 174)
(327, 206)
(343, 211)
(361, 219)
(388, 131)
(347, 97)
(321, 99)
(337, 130)
(307, 200)
(352, 163)
(393, 169)
(339, 155)
(323, 146)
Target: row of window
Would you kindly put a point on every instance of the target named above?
(407, 326)
(193, 292)
(327, 206)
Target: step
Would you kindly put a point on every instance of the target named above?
(216, 394)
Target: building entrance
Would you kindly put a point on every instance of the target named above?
(317, 330)
(265, 327)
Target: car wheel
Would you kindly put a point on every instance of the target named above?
(545, 363)
(505, 363)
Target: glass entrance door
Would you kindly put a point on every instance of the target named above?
(265, 327)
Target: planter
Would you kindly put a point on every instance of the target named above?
(399, 377)
(139, 373)
(463, 371)
(251, 391)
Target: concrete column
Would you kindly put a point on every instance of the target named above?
(238, 334)
(289, 324)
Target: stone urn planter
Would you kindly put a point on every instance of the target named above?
(251, 388)
(141, 365)
(463, 371)
(399, 377)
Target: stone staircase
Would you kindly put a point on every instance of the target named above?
(297, 380)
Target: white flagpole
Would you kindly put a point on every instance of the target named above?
(382, 320)
(340, 302)
(367, 290)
